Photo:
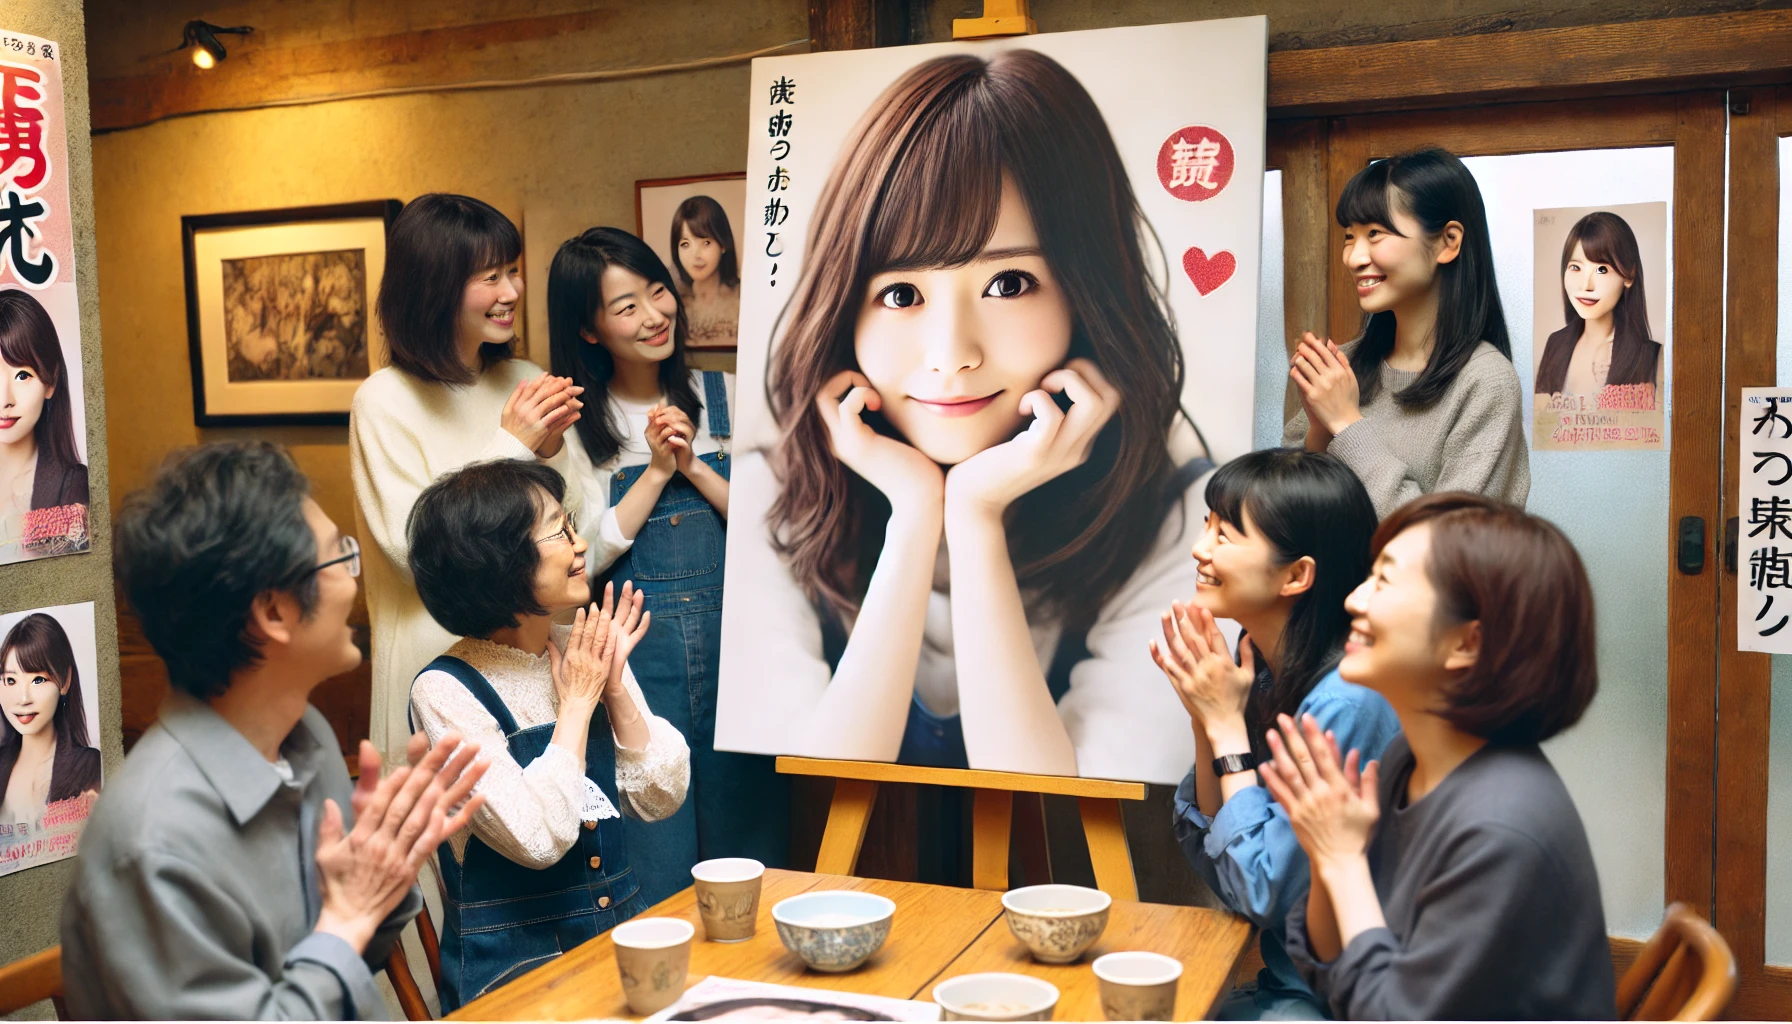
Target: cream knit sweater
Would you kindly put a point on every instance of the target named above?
(403, 433)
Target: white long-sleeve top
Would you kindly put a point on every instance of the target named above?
(1124, 719)
(403, 433)
(531, 812)
(632, 418)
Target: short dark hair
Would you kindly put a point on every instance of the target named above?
(435, 244)
(220, 525)
(1517, 575)
(473, 552)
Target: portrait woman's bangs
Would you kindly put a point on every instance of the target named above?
(28, 338)
(920, 187)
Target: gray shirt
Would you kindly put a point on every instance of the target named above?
(196, 890)
(1470, 439)
(1491, 900)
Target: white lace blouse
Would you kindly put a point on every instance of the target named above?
(531, 813)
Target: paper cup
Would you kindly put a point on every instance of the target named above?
(728, 897)
(996, 996)
(653, 955)
(1138, 986)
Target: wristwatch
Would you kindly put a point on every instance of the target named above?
(1232, 764)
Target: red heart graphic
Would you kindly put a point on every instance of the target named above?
(1208, 272)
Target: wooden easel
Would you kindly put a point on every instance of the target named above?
(992, 812)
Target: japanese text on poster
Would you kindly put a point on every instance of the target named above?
(1764, 540)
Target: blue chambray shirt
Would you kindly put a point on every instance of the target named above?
(196, 890)
(1247, 852)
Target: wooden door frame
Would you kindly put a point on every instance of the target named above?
(1758, 118)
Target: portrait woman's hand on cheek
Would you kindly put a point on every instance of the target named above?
(902, 473)
(1328, 388)
(1055, 443)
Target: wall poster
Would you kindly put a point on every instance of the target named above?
(964, 487)
(49, 733)
(692, 225)
(43, 412)
(1600, 362)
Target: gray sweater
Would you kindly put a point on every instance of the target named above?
(1470, 439)
(1491, 899)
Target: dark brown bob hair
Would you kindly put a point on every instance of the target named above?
(435, 245)
(920, 186)
(1522, 580)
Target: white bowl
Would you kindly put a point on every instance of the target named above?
(1057, 923)
(996, 996)
(834, 930)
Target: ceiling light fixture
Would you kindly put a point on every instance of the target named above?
(202, 36)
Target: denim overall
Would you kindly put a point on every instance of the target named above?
(501, 919)
(737, 805)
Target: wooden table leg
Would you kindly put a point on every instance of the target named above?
(992, 814)
(1108, 852)
(848, 816)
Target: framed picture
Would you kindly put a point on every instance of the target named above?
(280, 324)
(692, 223)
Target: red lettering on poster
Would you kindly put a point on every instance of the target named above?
(1195, 163)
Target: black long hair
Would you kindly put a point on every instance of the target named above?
(575, 294)
(1306, 505)
(1606, 238)
(42, 645)
(28, 338)
(1434, 188)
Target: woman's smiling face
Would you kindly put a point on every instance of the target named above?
(22, 397)
(636, 320)
(699, 256)
(1595, 287)
(488, 305)
(951, 350)
(28, 698)
(560, 581)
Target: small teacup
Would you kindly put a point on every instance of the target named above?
(653, 955)
(728, 897)
(1138, 986)
(996, 996)
(1057, 923)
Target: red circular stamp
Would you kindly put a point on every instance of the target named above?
(1195, 163)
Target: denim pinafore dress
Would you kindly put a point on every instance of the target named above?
(737, 805)
(501, 919)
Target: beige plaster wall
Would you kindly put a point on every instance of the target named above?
(33, 898)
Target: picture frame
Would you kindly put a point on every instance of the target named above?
(714, 322)
(280, 324)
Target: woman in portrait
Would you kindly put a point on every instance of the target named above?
(45, 755)
(660, 457)
(455, 393)
(975, 512)
(40, 465)
(1605, 339)
(1426, 398)
(708, 273)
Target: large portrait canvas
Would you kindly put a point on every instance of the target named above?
(998, 319)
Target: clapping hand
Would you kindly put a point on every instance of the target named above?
(539, 410)
(581, 673)
(679, 434)
(1213, 688)
(1328, 386)
(1332, 806)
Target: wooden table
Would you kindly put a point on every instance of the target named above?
(938, 933)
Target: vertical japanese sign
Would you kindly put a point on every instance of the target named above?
(781, 94)
(43, 415)
(1764, 542)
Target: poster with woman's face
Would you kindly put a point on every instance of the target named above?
(1601, 328)
(987, 287)
(43, 418)
(49, 733)
(692, 224)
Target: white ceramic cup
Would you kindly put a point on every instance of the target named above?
(1138, 986)
(728, 897)
(653, 955)
(996, 996)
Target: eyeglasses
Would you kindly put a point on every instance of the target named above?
(563, 533)
(351, 553)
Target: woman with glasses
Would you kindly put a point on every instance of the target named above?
(573, 744)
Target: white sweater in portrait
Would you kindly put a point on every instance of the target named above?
(404, 433)
(531, 813)
(1123, 717)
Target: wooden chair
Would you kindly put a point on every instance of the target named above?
(398, 966)
(992, 813)
(1685, 972)
(32, 979)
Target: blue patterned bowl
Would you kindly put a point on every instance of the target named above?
(836, 930)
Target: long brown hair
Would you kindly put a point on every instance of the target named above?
(1604, 238)
(920, 185)
(706, 219)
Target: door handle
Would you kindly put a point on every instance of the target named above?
(1691, 548)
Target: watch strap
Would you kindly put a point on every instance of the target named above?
(1232, 764)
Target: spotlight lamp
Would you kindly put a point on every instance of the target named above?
(202, 36)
